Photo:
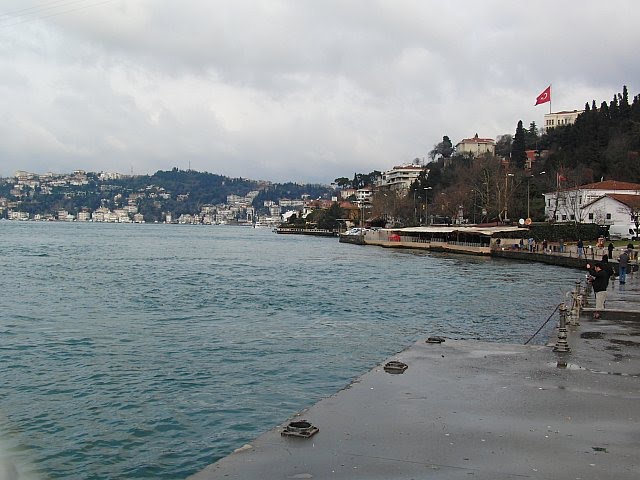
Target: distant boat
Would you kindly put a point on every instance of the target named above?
(260, 225)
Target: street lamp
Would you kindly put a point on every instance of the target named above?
(426, 203)
(528, 196)
(506, 196)
(474, 206)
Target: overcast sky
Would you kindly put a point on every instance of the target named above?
(294, 90)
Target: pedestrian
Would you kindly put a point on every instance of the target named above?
(561, 245)
(608, 267)
(580, 249)
(623, 264)
(544, 246)
(599, 279)
(610, 248)
(521, 243)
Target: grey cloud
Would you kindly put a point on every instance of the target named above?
(294, 89)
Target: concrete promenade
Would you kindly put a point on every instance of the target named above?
(466, 409)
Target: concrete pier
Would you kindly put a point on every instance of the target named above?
(465, 409)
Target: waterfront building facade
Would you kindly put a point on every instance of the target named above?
(605, 203)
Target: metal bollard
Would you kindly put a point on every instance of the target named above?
(562, 345)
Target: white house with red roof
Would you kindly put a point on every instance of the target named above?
(606, 203)
(476, 146)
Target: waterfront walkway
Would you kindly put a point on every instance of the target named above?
(466, 409)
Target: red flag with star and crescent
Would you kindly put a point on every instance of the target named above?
(545, 96)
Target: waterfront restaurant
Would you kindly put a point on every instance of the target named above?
(474, 239)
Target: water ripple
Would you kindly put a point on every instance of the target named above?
(150, 351)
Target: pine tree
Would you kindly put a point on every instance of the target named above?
(518, 148)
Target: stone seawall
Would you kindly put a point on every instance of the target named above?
(559, 260)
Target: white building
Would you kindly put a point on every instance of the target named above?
(605, 203)
(559, 119)
(401, 177)
(15, 215)
(363, 195)
(476, 146)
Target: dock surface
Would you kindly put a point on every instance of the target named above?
(466, 409)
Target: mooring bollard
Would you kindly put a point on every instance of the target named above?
(561, 344)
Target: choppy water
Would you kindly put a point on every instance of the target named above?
(150, 351)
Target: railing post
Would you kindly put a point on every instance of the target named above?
(587, 294)
(561, 344)
(576, 304)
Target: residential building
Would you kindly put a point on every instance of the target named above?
(15, 215)
(347, 192)
(476, 146)
(364, 195)
(401, 177)
(606, 203)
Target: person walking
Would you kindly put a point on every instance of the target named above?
(580, 248)
(599, 281)
(610, 248)
(623, 264)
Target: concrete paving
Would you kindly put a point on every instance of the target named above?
(466, 409)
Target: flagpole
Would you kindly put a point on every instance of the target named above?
(550, 99)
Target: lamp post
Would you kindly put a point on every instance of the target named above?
(474, 206)
(426, 203)
(528, 196)
(362, 220)
(506, 195)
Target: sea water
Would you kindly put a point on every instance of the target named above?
(150, 351)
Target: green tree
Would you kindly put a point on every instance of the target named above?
(342, 182)
(531, 137)
(503, 145)
(518, 148)
(443, 149)
(328, 218)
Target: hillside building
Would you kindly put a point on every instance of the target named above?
(401, 177)
(476, 146)
(559, 119)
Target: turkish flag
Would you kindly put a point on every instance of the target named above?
(545, 96)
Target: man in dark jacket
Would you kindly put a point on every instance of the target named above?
(623, 264)
(599, 281)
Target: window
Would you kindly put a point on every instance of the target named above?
(573, 217)
(608, 216)
(591, 216)
(564, 217)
